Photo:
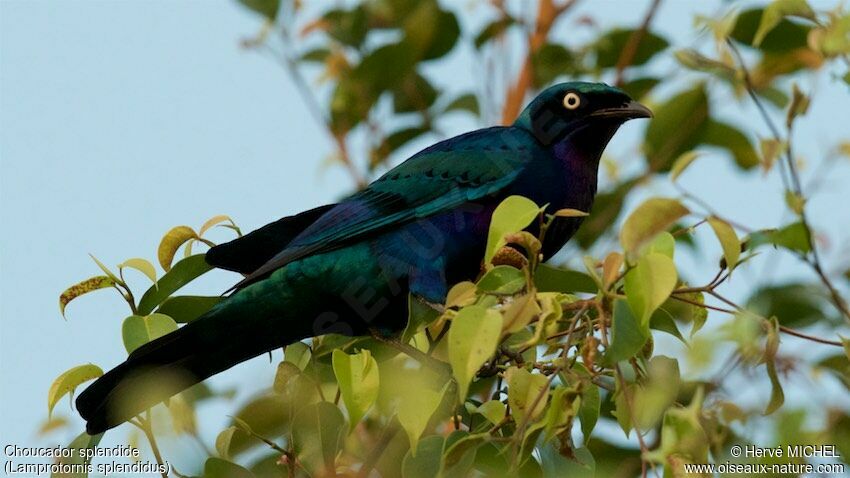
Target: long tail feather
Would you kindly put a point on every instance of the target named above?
(222, 338)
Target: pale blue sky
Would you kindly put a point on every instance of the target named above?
(119, 120)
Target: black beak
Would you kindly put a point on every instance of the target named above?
(627, 111)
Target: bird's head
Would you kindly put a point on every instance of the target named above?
(565, 108)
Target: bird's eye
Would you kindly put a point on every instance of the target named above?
(572, 101)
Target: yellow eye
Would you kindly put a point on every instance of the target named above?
(572, 101)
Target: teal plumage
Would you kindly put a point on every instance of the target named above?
(349, 267)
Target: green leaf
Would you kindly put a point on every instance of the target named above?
(776, 11)
(553, 279)
(350, 103)
(502, 280)
(771, 149)
(622, 410)
(551, 61)
(784, 37)
(628, 335)
(473, 337)
(653, 216)
(431, 30)
(493, 410)
(222, 442)
(728, 241)
(512, 215)
(663, 243)
(492, 30)
(219, 468)
(216, 220)
(298, 354)
(318, 434)
(799, 104)
(681, 163)
(141, 265)
(649, 284)
(582, 465)
(415, 408)
(834, 39)
(732, 140)
(459, 453)
(78, 457)
(561, 411)
(611, 44)
(795, 202)
(286, 371)
(82, 288)
(414, 93)
(183, 419)
(588, 412)
(694, 60)
(349, 27)
(266, 415)
(519, 313)
(461, 295)
(465, 102)
(171, 241)
(358, 380)
(316, 55)
(683, 439)
(186, 308)
(528, 393)
(425, 461)
(792, 237)
(420, 315)
(69, 381)
(777, 396)
(181, 274)
(795, 304)
(676, 128)
(640, 87)
(266, 8)
(138, 330)
(395, 140)
(661, 320)
(106, 270)
(384, 68)
(657, 393)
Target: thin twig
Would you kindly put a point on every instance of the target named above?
(548, 13)
(144, 424)
(627, 56)
(372, 459)
(414, 353)
(814, 261)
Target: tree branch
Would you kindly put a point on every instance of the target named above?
(548, 13)
(627, 56)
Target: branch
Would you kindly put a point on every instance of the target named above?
(795, 187)
(548, 13)
(414, 353)
(631, 48)
(313, 105)
(144, 424)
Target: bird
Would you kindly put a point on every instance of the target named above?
(349, 268)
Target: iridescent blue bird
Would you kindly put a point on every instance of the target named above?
(348, 267)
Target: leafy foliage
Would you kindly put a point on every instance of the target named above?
(531, 368)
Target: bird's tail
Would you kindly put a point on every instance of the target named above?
(222, 338)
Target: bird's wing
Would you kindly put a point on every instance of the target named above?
(247, 253)
(435, 180)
